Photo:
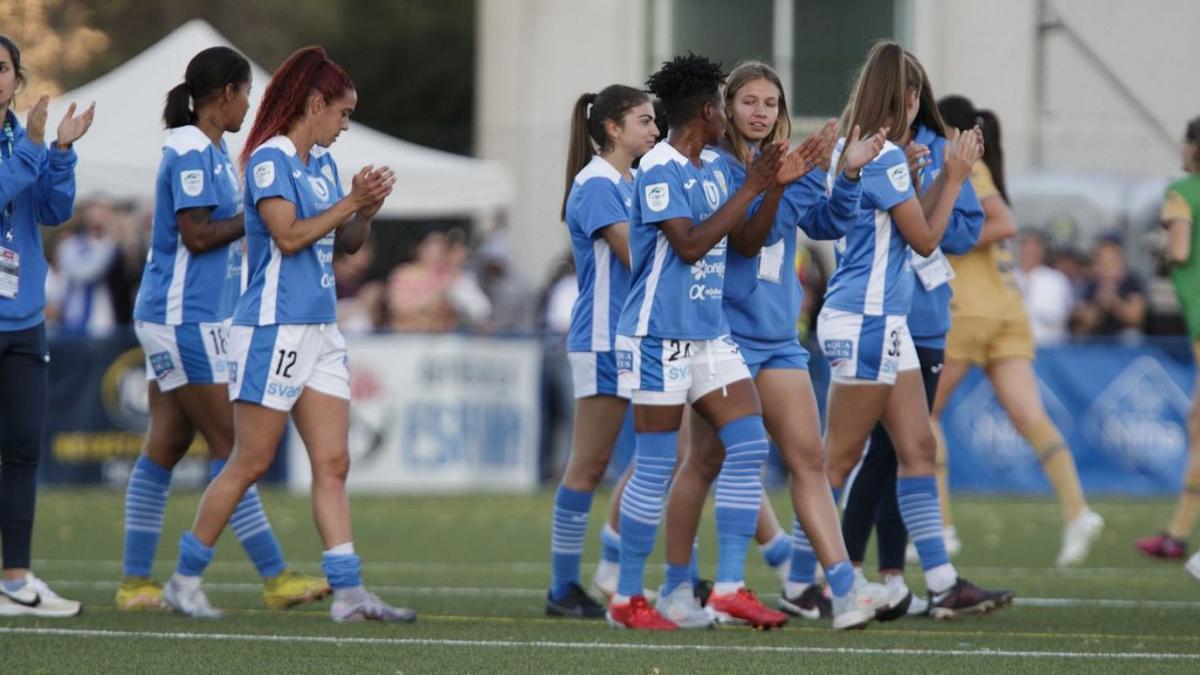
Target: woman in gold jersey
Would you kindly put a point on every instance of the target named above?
(990, 329)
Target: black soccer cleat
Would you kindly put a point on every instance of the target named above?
(702, 590)
(811, 604)
(965, 597)
(576, 604)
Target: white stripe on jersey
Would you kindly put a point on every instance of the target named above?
(660, 254)
(270, 292)
(877, 281)
(175, 290)
(601, 284)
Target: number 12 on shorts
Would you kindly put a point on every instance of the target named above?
(284, 363)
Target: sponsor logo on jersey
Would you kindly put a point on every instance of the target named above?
(162, 364)
(899, 177)
(192, 182)
(264, 173)
(658, 197)
(839, 349)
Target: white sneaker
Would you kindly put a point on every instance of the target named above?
(188, 600)
(36, 599)
(1078, 537)
(682, 608)
(359, 604)
(858, 607)
(899, 598)
(1193, 566)
(949, 538)
(604, 581)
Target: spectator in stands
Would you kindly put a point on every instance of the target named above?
(1114, 301)
(1047, 292)
(360, 301)
(84, 260)
(470, 303)
(558, 298)
(418, 291)
(514, 301)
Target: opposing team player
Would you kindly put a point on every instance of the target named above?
(609, 130)
(190, 284)
(286, 353)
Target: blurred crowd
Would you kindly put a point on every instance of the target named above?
(444, 283)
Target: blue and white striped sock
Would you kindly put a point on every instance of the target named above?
(739, 495)
(568, 528)
(922, 516)
(642, 506)
(342, 567)
(610, 544)
(804, 558)
(194, 556)
(145, 501)
(253, 530)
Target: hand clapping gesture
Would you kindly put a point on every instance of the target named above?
(962, 151)
(73, 127)
(369, 188)
(860, 151)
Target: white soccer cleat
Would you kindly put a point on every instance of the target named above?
(1078, 537)
(359, 604)
(918, 607)
(682, 608)
(900, 598)
(36, 599)
(188, 599)
(1193, 566)
(858, 607)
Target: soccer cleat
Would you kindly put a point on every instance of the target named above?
(1078, 537)
(900, 598)
(810, 604)
(743, 607)
(139, 593)
(682, 608)
(965, 597)
(918, 607)
(604, 581)
(858, 607)
(638, 615)
(292, 588)
(188, 600)
(575, 604)
(949, 538)
(359, 604)
(1193, 566)
(36, 599)
(1162, 546)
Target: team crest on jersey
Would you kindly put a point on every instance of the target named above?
(192, 182)
(162, 364)
(721, 181)
(899, 177)
(712, 194)
(658, 196)
(319, 187)
(264, 173)
(327, 171)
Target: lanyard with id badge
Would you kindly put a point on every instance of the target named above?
(935, 269)
(10, 260)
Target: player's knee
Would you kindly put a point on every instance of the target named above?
(704, 466)
(921, 458)
(838, 469)
(335, 467)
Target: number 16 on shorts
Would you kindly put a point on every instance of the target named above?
(274, 364)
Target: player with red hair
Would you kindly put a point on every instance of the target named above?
(286, 354)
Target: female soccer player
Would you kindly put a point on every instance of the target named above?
(190, 284)
(37, 187)
(286, 354)
(990, 329)
(1179, 213)
(609, 130)
(863, 325)
(672, 338)
(762, 301)
(871, 495)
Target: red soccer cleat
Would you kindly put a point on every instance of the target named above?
(637, 614)
(743, 607)
(1162, 546)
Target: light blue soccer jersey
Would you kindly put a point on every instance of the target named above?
(874, 274)
(669, 298)
(762, 293)
(179, 286)
(298, 288)
(599, 197)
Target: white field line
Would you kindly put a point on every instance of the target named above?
(494, 591)
(597, 646)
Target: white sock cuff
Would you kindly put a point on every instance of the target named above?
(763, 548)
(941, 578)
(342, 549)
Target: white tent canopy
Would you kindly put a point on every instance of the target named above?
(121, 153)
